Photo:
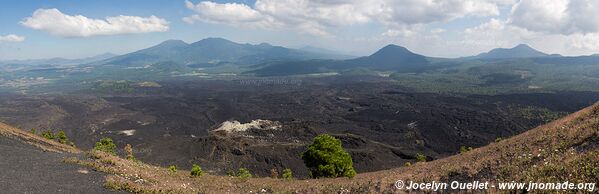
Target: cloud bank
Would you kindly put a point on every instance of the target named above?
(317, 16)
(12, 38)
(59, 24)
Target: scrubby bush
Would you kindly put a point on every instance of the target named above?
(407, 164)
(62, 137)
(464, 149)
(230, 173)
(106, 145)
(172, 168)
(274, 173)
(325, 157)
(34, 131)
(196, 171)
(420, 157)
(48, 134)
(243, 173)
(287, 174)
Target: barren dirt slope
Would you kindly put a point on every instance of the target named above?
(31, 164)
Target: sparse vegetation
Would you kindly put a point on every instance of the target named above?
(325, 157)
(407, 164)
(464, 149)
(33, 131)
(420, 157)
(48, 134)
(243, 173)
(287, 174)
(274, 173)
(106, 145)
(172, 168)
(196, 171)
(129, 152)
(62, 137)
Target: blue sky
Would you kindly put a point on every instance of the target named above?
(450, 28)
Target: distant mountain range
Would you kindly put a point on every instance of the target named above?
(212, 51)
(60, 61)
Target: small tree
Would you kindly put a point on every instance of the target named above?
(129, 151)
(106, 145)
(196, 171)
(62, 137)
(325, 157)
(287, 174)
(420, 157)
(274, 173)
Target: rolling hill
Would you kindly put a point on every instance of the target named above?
(520, 51)
(390, 57)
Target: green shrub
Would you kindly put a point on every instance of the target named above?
(62, 137)
(464, 149)
(196, 171)
(325, 157)
(172, 168)
(48, 134)
(106, 145)
(287, 174)
(420, 157)
(34, 131)
(243, 173)
(407, 164)
(230, 173)
(498, 139)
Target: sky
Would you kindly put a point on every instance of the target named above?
(32, 29)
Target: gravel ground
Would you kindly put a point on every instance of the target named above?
(27, 169)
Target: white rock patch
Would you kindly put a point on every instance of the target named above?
(236, 126)
(129, 132)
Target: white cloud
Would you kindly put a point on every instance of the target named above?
(317, 16)
(12, 38)
(557, 16)
(56, 23)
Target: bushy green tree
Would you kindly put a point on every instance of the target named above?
(196, 171)
(325, 157)
(106, 145)
(287, 174)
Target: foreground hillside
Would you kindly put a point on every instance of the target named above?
(31, 164)
(563, 150)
